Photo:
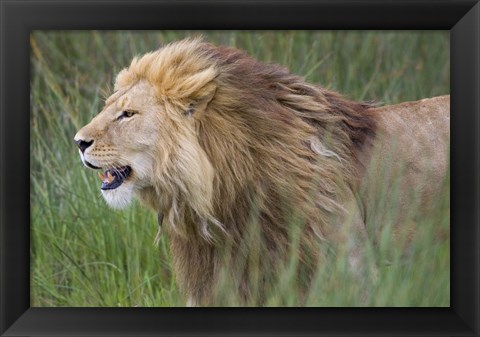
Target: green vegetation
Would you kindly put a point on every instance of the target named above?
(85, 254)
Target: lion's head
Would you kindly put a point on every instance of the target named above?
(145, 140)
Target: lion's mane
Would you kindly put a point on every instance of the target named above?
(267, 149)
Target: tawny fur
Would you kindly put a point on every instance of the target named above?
(240, 155)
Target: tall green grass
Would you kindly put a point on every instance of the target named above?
(85, 254)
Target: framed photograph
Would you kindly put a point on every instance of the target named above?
(232, 140)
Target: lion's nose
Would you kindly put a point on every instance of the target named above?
(83, 144)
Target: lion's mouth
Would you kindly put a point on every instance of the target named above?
(114, 177)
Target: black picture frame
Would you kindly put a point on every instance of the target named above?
(19, 17)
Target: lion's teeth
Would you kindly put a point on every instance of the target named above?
(106, 177)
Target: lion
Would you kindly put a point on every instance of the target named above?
(245, 163)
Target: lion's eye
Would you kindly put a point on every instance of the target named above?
(126, 114)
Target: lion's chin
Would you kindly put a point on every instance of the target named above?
(120, 197)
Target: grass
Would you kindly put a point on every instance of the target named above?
(85, 254)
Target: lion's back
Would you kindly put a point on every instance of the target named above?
(418, 132)
(428, 117)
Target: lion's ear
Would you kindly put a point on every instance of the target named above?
(201, 100)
